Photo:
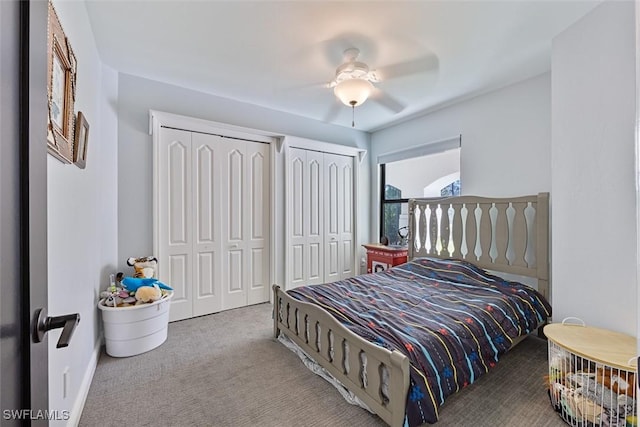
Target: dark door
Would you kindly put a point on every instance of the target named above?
(23, 209)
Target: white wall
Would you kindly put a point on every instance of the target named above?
(138, 95)
(506, 141)
(593, 169)
(82, 219)
(637, 170)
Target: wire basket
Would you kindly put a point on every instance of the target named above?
(586, 392)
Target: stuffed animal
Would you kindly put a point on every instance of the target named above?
(144, 266)
(618, 381)
(133, 283)
(560, 362)
(146, 294)
(117, 296)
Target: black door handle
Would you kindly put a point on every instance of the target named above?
(43, 323)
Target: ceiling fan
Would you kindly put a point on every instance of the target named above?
(353, 74)
(353, 83)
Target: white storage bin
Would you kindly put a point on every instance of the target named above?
(137, 329)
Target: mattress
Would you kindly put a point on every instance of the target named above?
(452, 319)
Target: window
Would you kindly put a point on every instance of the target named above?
(394, 211)
(452, 189)
(433, 175)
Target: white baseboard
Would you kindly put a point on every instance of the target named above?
(78, 405)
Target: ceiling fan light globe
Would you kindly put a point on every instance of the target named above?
(353, 92)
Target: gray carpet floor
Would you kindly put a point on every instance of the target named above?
(226, 369)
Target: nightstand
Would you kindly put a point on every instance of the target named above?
(381, 257)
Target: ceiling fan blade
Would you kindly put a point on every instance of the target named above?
(329, 53)
(334, 111)
(387, 101)
(407, 68)
(306, 86)
(334, 48)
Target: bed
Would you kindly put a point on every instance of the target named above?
(403, 340)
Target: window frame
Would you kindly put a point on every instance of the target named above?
(383, 200)
(433, 147)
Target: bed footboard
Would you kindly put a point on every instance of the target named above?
(358, 364)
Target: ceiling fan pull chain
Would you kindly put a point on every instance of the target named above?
(353, 113)
(353, 116)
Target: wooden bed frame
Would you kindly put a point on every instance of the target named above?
(509, 235)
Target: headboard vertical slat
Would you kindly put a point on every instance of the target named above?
(485, 232)
(445, 229)
(422, 221)
(520, 235)
(471, 232)
(502, 233)
(353, 359)
(532, 251)
(433, 230)
(457, 230)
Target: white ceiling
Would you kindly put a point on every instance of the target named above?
(280, 55)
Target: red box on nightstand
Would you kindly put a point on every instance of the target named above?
(381, 257)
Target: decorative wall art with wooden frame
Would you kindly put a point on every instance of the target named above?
(61, 88)
(81, 140)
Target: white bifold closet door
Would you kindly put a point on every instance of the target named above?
(320, 216)
(306, 218)
(338, 217)
(213, 221)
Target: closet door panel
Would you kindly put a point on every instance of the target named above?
(296, 185)
(314, 230)
(315, 262)
(234, 246)
(332, 212)
(178, 275)
(175, 243)
(332, 268)
(205, 268)
(333, 197)
(235, 268)
(178, 191)
(235, 294)
(346, 263)
(297, 210)
(206, 220)
(346, 180)
(234, 200)
(258, 200)
(258, 203)
(258, 283)
(315, 196)
(297, 265)
(346, 222)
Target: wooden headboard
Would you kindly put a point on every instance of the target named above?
(508, 235)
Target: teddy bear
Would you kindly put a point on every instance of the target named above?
(144, 266)
(147, 294)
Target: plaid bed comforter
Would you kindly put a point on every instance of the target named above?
(452, 319)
